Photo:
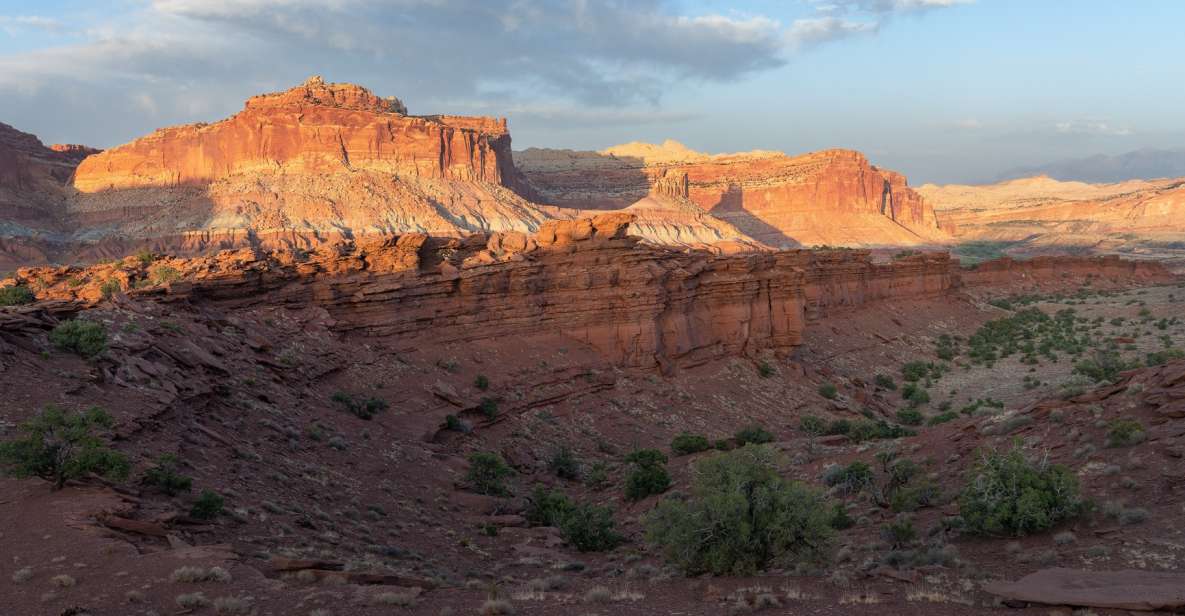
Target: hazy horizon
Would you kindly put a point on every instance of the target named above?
(941, 90)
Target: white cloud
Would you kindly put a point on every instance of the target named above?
(13, 23)
(1090, 127)
(815, 31)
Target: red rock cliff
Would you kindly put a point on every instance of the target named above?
(831, 197)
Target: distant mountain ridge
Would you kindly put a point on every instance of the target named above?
(1143, 164)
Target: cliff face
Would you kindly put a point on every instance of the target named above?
(33, 177)
(829, 197)
(636, 304)
(315, 128)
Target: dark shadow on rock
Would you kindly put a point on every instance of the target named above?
(731, 208)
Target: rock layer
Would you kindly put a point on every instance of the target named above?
(638, 305)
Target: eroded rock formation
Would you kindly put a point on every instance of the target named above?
(833, 197)
(637, 304)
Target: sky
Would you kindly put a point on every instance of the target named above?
(941, 90)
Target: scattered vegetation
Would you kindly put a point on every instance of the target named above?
(742, 517)
(86, 338)
(208, 506)
(1006, 493)
(648, 476)
(16, 295)
(563, 464)
(828, 390)
(58, 446)
(687, 443)
(164, 476)
(753, 434)
(487, 472)
(362, 408)
(1125, 433)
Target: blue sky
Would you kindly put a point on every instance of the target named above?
(942, 90)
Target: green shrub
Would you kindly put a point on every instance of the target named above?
(1008, 494)
(145, 257)
(867, 430)
(481, 382)
(812, 424)
(362, 408)
(110, 287)
(597, 477)
(208, 506)
(849, 479)
(86, 338)
(915, 394)
(915, 495)
(839, 426)
(1103, 366)
(16, 295)
(546, 507)
(489, 407)
(57, 446)
(910, 417)
(828, 390)
(563, 464)
(687, 443)
(753, 434)
(885, 381)
(840, 519)
(164, 476)
(915, 371)
(648, 476)
(486, 473)
(765, 370)
(1125, 433)
(742, 517)
(589, 528)
(1156, 358)
(941, 418)
(900, 532)
(164, 274)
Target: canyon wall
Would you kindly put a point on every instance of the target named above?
(833, 197)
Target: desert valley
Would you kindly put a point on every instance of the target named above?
(329, 357)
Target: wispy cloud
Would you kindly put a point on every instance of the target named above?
(14, 23)
(1090, 127)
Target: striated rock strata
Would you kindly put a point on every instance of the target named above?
(636, 304)
(312, 163)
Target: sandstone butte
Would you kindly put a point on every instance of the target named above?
(833, 197)
(325, 161)
(638, 305)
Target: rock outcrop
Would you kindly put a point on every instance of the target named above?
(637, 304)
(833, 197)
(32, 177)
(306, 166)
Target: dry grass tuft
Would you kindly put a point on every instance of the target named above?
(63, 581)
